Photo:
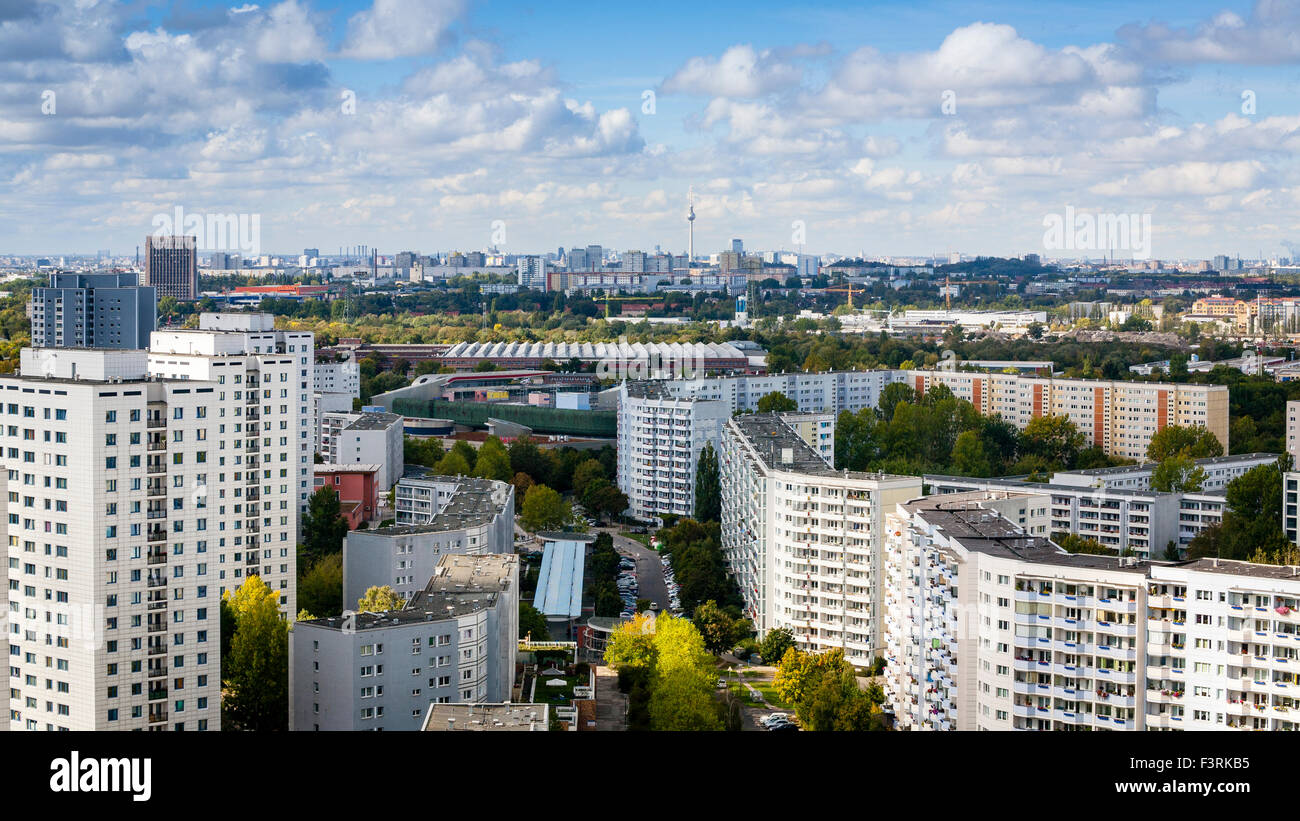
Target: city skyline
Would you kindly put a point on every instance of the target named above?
(450, 124)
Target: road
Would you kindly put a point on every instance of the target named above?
(649, 570)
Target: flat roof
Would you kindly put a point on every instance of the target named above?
(771, 435)
(559, 584)
(374, 421)
(460, 585)
(506, 717)
(474, 502)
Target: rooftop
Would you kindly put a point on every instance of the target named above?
(460, 585)
(782, 448)
(374, 421)
(328, 467)
(475, 502)
(487, 717)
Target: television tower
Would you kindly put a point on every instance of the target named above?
(690, 221)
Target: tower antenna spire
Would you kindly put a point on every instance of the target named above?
(690, 221)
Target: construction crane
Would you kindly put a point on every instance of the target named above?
(947, 287)
(849, 289)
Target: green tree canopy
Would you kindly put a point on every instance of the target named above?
(323, 527)
(544, 509)
(1192, 442)
(380, 600)
(320, 590)
(1178, 474)
(532, 623)
(493, 461)
(776, 402)
(708, 484)
(255, 677)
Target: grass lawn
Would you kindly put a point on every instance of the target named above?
(643, 538)
(556, 695)
(742, 693)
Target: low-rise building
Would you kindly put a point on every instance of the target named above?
(476, 516)
(357, 489)
(453, 642)
(367, 438)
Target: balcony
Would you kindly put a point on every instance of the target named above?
(158, 695)
(156, 671)
(156, 581)
(157, 557)
(156, 468)
(158, 535)
(156, 422)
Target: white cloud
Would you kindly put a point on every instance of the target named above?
(400, 28)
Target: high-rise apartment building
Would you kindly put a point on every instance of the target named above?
(135, 506)
(270, 372)
(990, 628)
(804, 540)
(171, 266)
(93, 311)
(1119, 417)
(659, 442)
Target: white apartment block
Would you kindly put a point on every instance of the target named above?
(803, 540)
(337, 377)
(1137, 522)
(659, 442)
(453, 643)
(990, 628)
(364, 439)
(126, 523)
(1219, 471)
(459, 515)
(1118, 417)
(242, 350)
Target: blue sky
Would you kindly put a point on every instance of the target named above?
(530, 116)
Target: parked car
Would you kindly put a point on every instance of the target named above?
(783, 726)
(768, 720)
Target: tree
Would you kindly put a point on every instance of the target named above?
(323, 527)
(526, 457)
(776, 402)
(532, 623)
(522, 482)
(467, 452)
(708, 484)
(717, 628)
(320, 590)
(255, 677)
(631, 645)
(453, 464)
(894, 393)
(1053, 438)
(544, 509)
(681, 685)
(380, 600)
(1192, 442)
(773, 646)
(1178, 474)
(493, 461)
(823, 689)
(968, 456)
(1251, 527)
(584, 473)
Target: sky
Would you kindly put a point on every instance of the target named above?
(848, 128)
